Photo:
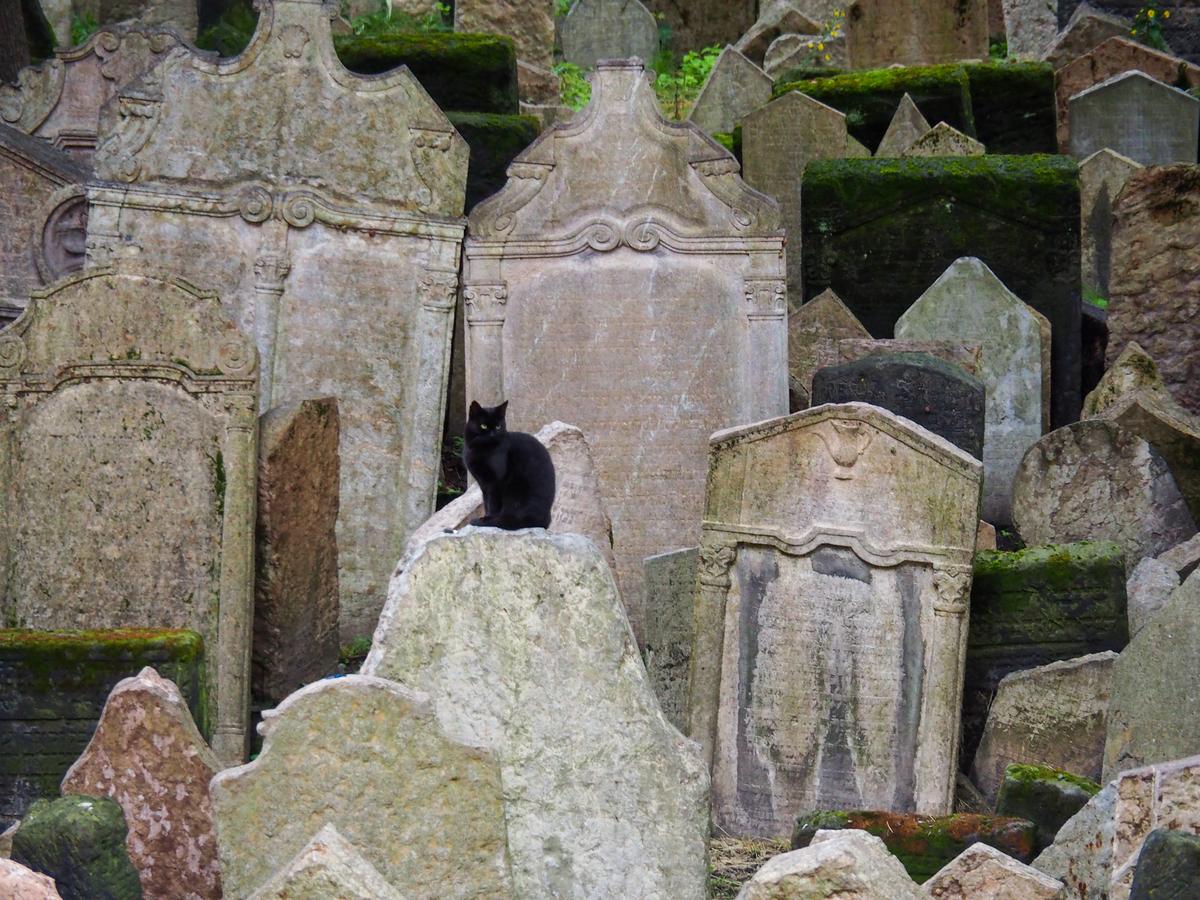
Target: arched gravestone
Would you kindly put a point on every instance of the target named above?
(830, 625)
(604, 29)
(127, 463)
(937, 395)
(628, 281)
(325, 213)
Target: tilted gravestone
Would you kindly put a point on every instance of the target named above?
(339, 256)
(1101, 177)
(735, 88)
(690, 336)
(1084, 31)
(882, 33)
(608, 29)
(670, 591)
(1030, 27)
(1179, 20)
(983, 871)
(815, 331)
(775, 20)
(835, 568)
(1152, 123)
(133, 406)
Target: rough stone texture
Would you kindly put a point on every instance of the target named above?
(882, 33)
(1101, 177)
(530, 23)
(848, 864)
(6, 837)
(1094, 322)
(1154, 298)
(328, 866)
(824, 637)
(1185, 557)
(146, 393)
(776, 19)
(1150, 122)
(689, 262)
(984, 873)
(1054, 715)
(985, 537)
(670, 596)
(1154, 714)
(1181, 30)
(1150, 586)
(963, 355)
(1081, 854)
(815, 333)
(1045, 796)
(804, 51)
(907, 125)
(944, 140)
(1168, 867)
(608, 29)
(1096, 481)
(296, 587)
(1030, 26)
(968, 302)
(703, 23)
(1131, 373)
(936, 395)
(309, 238)
(585, 784)
(80, 843)
(340, 752)
(20, 883)
(1086, 30)
(735, 88)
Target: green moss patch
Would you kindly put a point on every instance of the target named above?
(495, 141)
(1013, 105)
(1045, 796)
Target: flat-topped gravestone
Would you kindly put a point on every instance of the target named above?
(1046, 796)
(906, 126)
(602, 798)
(815, 331)
(1086, 29)
(735, 88)
(1101, 178)
(882, 33)
(328, 866)
(829, 625)
(608, 29)
(339, 256)
(964, 355)
(133, 404)
(691, 336)
(944, 140)
(670, 595)
(1030, 26)
(970, 303)
(1150, 122)
(530, 24)
(934, 394)
(371, 758)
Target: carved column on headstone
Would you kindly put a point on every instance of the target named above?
(717, 555)
(766, 308)
(12, 354)
(271, 268)
(485, 364)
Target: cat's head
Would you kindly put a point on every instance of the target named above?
(485, 422)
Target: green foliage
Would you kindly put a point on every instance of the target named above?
(678, 88)
(1094, 298)
(355, 651)
(230, 34)
(1147, 25)
(562, 7)
(83, 26)
(998, 49)
(574, 89)
(385, 21)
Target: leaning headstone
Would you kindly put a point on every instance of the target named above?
(1168, 866)
(1054, 715)
(296, 585)
(815, 332)
(970, 303)
(1081, 854)
(670, 592)
(1178, 20)
(964, 355)
(944, 140)
(776, 19)
(851, 864)
(1045, 796)
(829, 621)
(148, 756)
(1030, 27)
(735, 88)
(1133, 372)
(984, 873)
(883, 33)
(371, 758)
(498, 682)
(1084, 31)
(1158, 796)
(17, 882)
(530, 24)
(1096, 481)
(1152, 123)
(1183, 558)
(308, 238)
(690, 261)
(804, 51)
(934, 394)
(1150, 586)
(328, 866)
(132, 402)
(907, 125)
(1101, 177)
(608, 29)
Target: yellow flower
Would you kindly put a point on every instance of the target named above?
(1134, 31)
(810, 43)
(828, 57)
(820, 46)
(1166, 14)
(1151, 13)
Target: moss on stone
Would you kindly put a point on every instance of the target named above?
(808, 73)
(1013, 105)
(468, 72)
(1045, 796)
(494, 140)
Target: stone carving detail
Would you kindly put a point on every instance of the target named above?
(438, 291)
(767, 298)
(953, 592)
(485, 303)
(715, 560)
(64, 237)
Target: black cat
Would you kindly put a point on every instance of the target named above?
(513, 470)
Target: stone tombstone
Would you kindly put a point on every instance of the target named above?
(1152, 291)
(1167, 865)
(691, 335)
(883, 33)
(970, 303)
(778, 141)
(804, 51)
(1149, 798)
(984, 873)
(530, 24)
(815, 332)
(1030, 27)
(775, 20)
(1150, 586)
(19, 882)
(328, 866)
(1184, 558)
(1180, 20)
(704, 23)
(1133, 372)
(964, 355)
(296, 579)
(830, 626)
(602, 796)
(936, 395)
(944, 140)
(1082, 850)
(670, 591)
(371, 758)
(1101, 177)
(1084, 31)
(1096, 481)
(1150, 122)
(907, 125)
(339, 256)
(44, 212)
(735, 88)
(850, 864)
(148, 756)
(132, 403)
(608, 29)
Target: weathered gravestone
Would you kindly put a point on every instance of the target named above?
(1168, 866)
(944, 140)
(328, 866)
(968, 302)
(906, 126)
(935, 394)
(775, 20)
(804, 51)
(371, 758)
(703, 23)
(608, 29)
(1085, 30)
(148, 756)
(689, 262)
(815, 331)
(882, 33)
(1153, 297)
(1046, 796)
(339, 256)
(963, 355)
(132, 404)
(530, 23)
(1082, 850)
(22, 883)
(1030, 26)
(837, 863)
(670, 595)
(1150, 122)
(1178, 19)
(984, 873)
(880, 232)
(735, 88)
(602, 797)
(1101, 177)
(829, 626)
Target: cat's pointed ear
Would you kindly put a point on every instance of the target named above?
(502, 408)
(475, 409)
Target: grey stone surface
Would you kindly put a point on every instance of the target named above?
(804, 51)
(530, 23)
(984, 873)
(328, 866)
(883, 33)
(906, 126)
(690, 336)
(1086, 29)
(1150, 586)
(1168, 866)
(602, 796)
(1133, 372)
(1030, 26)
(847, 864)
(1081, 855)
(1159, 796)
(944, 140)
(735, 88)
(608, 29)
(1101, 177)
(964, 355)
(775, 19)
(1185, 557)
(670, 596)
(815, 333)
(1149, 122)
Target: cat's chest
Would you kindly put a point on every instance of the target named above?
(487, 465)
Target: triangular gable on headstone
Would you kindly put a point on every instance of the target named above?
(907, 125)
(734, 88)
(943, 139)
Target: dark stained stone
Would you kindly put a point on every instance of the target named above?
(1047, 797)
(1168, 867)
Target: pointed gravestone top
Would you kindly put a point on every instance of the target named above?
(608, 29)
(1139, 117)
(1085, 30)
(777, 19)
(907, 125)
(814, 331)
(1131, 372)
(983, 871)
(328, 866)
(943, 139)
(735, 88)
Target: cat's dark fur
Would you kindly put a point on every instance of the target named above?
(512, 468)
